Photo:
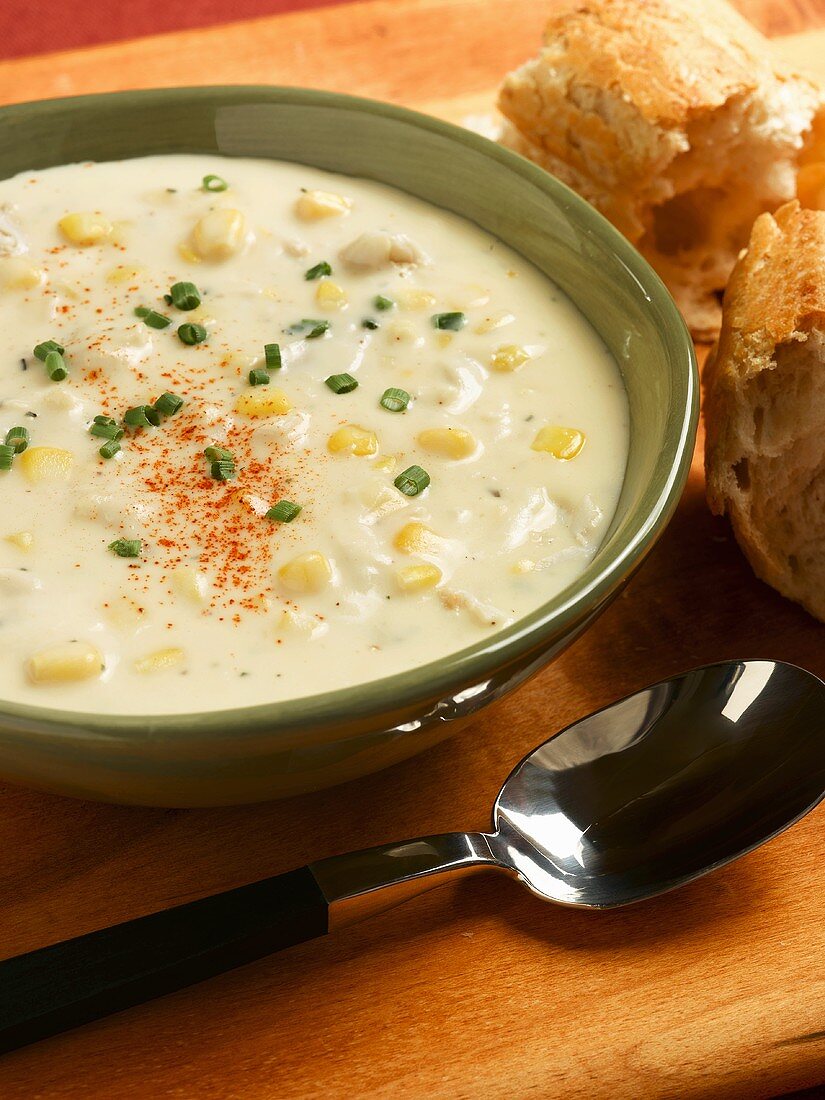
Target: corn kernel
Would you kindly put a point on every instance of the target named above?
(160, 660)
(308, 572)
(386, 463)
(523, 565)
(561, 443)
(413, 300)
(23, 540)
(494, 320)
(353, 440)
(330, 295)
(46, 464)
(61, 664)
(295, 622)
(124, 613)
(447, 442)
(312, 206)
(219, 234)
(273, 402)
(124, 273)
(508, 357)
(85, 229)
(417, 538)
(187, 252)
(418, 578)
(444, 339)
(191, 583)
(17, 273)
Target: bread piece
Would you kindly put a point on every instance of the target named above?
(765, 405)
(675, 120)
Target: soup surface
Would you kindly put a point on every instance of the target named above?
(266, 431)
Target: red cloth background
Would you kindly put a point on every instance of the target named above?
(41, 26)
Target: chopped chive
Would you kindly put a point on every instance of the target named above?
(191, 334)
(382, 303)
(214, 184)
(223, 470)
(183, 296)
(42, 350)
(451, 321)
(151, 318)
(141, 416)
(369, 323)
(395, 400)
(18, 439)
(218, 454)
(126, 548)
(308, 327)
(272, 355)
(342, 383)
(101, 418)
(284, 511)
(168, 404)
(412, 481)
(56, 366)
(109, 449)
(316, 272)
(258, 377)
(106, 431)
(6, 456)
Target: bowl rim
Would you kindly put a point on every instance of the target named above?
(570, 609)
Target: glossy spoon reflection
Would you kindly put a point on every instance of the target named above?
(639, 798)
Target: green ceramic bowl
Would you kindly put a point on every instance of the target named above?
(263, 752)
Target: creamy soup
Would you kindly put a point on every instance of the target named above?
(267, 431)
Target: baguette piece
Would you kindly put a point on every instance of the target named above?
(674, 119)
(765, 405)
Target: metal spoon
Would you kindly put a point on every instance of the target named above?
(639, 798)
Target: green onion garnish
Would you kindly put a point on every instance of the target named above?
(308, 327)
(109, 449)
(183, 296)
(101, 418)
(17, 439)
(191, 334)
(42, 350)
(106, 431)
(316, 272)
(168, 404)
(412, 481)
(141, 416)
(7, 453)
(369, 323)
(214, 183)
(56, 366)
(395, 400)
(342, 383)
(218, 454)
(272, 355)
(126, 548)
(151, 318)
(222, 470)
(382, 303)
(258, 377)
(284, 511)
(451, 321)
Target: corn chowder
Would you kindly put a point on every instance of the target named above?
(266, 431)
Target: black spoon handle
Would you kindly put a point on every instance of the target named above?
(71, 983)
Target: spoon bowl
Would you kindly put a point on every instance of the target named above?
(639, 798)
(665, 785)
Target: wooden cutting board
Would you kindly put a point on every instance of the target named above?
(477, 990)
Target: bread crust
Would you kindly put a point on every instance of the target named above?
(632, 95)
(775, 301)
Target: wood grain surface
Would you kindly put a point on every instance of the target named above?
(477, 990)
